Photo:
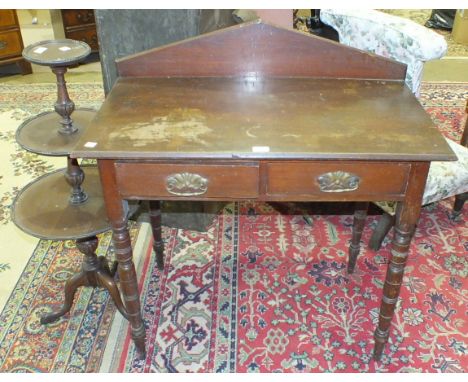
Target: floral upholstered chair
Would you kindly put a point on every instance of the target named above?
(389, 36)
(412, 44)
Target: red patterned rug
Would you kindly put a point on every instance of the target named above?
(265, 292)
(261, 291)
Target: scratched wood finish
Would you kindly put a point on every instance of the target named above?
(260, 49)
(300, 118)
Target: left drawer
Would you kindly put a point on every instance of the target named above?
(181, 181)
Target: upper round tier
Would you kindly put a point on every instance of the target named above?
(64, 52)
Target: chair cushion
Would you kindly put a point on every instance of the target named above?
(445, 179)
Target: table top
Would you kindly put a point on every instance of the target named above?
(62, 52)
(265, 118)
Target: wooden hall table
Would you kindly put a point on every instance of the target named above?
(264, 137)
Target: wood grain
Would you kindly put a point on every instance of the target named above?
(257, 48)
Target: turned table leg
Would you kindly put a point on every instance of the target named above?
(123, 253)
(158, 244)
(360, 214)
(407, 215)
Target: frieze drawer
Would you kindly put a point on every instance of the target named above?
(326, 180)
(178, 181)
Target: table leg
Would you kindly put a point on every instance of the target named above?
(158, 244)
(123, 252)
(460, 200)
(407, 215)
(360, 214)
(385, 224)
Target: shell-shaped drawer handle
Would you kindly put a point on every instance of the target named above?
(3, 44)
(186, 184)
(338, 181)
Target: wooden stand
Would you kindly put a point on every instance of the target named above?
(75, 209)
(95, 272)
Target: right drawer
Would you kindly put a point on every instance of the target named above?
(307, 180)
(10, 44)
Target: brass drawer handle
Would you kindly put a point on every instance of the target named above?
(338, 181)
(186, 184)
(3, 44)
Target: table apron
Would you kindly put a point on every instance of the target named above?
(264, 180)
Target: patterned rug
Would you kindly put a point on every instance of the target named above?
(258, 292)
(75, 343)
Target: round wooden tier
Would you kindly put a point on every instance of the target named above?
(65, 52)
(40, 134)
(42, 208)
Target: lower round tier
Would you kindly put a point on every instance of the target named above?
(40, 134)
(42, 208)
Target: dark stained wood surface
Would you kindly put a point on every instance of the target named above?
(264, 180)
(257, 48)
(298, 179)
(221, 178)
(258, 117)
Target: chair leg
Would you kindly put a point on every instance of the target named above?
(360, 214)
(458, 206)
(384, 225)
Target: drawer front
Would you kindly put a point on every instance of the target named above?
(89, 36)
(337, 180)
(10, 44)
(7, 18)
(74, 17)
(179, 181)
